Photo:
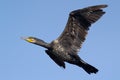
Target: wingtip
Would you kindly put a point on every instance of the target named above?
(104, 5)
(98, 6)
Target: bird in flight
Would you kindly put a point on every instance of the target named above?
(65, 48)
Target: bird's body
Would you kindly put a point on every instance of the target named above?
(66, 46)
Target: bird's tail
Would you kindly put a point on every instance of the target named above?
(87, 67)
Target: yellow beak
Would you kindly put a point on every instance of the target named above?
(31, 40)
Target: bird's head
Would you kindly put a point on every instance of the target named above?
(30, 39)
(36, 41)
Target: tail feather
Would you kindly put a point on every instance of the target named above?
(87, 67)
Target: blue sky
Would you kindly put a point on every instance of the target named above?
(46, 19)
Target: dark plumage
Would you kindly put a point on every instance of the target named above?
(66, 46)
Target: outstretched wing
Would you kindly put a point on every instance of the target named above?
(77, 27)
(55, 59)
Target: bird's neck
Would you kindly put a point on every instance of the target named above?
(43, 44)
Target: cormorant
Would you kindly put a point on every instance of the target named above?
(66, 46)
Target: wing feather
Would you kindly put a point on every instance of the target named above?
(77, 27)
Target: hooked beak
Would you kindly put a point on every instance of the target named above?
(31, 40)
